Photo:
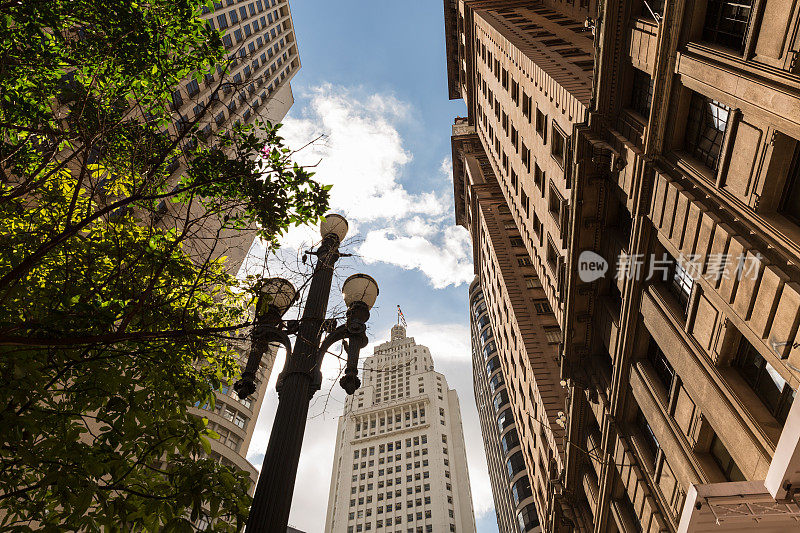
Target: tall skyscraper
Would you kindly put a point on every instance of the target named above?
(259, 36)
(642, 161)
(234, 419)
(400, 462)
(510, 479)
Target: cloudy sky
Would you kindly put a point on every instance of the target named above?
(373, 86)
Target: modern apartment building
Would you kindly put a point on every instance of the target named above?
(400, 463)
(259, 34)
(263, 50)
(508, 472)
(234, 420)
(647, 154)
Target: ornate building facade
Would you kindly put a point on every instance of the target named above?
(647, 156)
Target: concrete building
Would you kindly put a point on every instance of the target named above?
(509, 477)
(649, 162)
(259, 34)
(264, 58)
(234, 419)
(400, 462)
(260, 37)
(517, 335)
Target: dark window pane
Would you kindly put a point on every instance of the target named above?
(521, 489)
(790, 207)
(726, 22)
(661, 365)
(706, 129)
(649, 437)
(509, 441)
(527, 518)
(766, 382)
(725, 461)
(642, 94)
(515, 464)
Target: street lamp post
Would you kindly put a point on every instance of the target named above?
(301, 376)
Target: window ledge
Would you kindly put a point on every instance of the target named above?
(752, 404)
(726, 56)
(694, 168)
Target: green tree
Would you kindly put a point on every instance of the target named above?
(113, 320)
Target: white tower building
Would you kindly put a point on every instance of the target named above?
(400, 464)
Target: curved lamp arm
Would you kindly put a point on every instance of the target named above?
(263, 335)
(353, 336)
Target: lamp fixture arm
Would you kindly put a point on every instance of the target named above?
(262, 336)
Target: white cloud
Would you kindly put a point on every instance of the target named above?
(359, 150)
(446, 262)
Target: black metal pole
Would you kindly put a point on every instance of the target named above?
(272, 501)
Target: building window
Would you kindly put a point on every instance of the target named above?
(541, 125)
(521, 490)
(496, 382)
(538, 177)
(552, 334)
(661, 365)
(705, 130)
(542, 307)
(526, 157)
(726, 22)
(642, 93)
(555, 204)
(509, 441)
(790, 206)
(650, 439)
(500, 400)
(724, 460)
(192, 88)
(527, 518)
(652, 7)
(515, 464)
(505, 420)
(773, 391)
(553, 258)
(558, 147)
(681, 284)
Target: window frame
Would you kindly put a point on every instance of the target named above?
(700, 131)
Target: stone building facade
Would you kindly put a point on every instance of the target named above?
(657, 140)
(400, 463)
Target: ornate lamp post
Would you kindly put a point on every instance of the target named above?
(301, 376)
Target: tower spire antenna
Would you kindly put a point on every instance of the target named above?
(401, 319)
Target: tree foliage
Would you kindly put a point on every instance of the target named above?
(115, 299)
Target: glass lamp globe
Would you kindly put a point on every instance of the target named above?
(277, 292)
(335, 224)
(360, 288)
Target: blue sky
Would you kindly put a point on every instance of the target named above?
(373, 83)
